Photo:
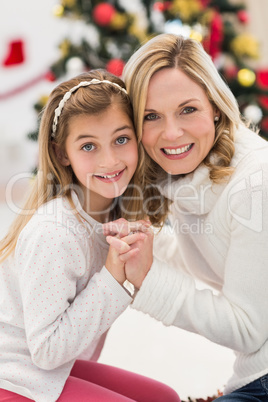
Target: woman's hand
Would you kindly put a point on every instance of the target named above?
(121, 227)
(138, 258)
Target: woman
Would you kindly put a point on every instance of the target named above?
(213, 171)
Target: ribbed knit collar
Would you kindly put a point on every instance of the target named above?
(195, 193)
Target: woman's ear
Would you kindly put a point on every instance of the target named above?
(217, 115)
(61, 154)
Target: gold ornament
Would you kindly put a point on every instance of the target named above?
(246, 77)
(58, 10)
(43, 100)
(245, 45)
(196, 35)
(65, 47)
(68, 3)
(119, 21)
(138, 32)
(185, 9)
(136, 29)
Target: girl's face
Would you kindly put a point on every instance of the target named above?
(102, 151)
(178, 127)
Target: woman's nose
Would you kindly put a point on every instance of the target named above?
(172, 130)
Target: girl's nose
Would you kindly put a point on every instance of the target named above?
(109, 159)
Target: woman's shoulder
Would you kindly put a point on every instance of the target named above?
(250, 147)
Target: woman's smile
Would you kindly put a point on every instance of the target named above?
(177, 153)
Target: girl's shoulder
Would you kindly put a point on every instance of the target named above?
(58, 210)
(67, 219)
(54, 214)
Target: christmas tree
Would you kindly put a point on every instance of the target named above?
(111, 31)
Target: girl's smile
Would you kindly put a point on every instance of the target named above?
(110, 177)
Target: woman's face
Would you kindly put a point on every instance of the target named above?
(178, 126)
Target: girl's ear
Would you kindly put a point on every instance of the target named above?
(61, 155)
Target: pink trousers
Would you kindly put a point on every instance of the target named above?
(96, 382)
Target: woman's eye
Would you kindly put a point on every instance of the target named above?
(151, 116)
(188, 109)
(88, 147)
(122, 140)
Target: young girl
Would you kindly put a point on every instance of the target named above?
(61, 287)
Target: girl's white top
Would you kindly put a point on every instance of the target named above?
(219, 235)
(57, 301)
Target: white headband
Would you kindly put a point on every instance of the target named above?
(68, 94)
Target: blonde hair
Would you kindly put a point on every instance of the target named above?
(53, 179)
(188, 55)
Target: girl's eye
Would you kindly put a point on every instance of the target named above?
(188, 109)
(122, 140)
(88, 147)
(151, 116)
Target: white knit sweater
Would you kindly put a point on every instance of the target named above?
(221, 236)
(57, 301)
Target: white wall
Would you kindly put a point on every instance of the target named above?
(33, 22)
(258, 11)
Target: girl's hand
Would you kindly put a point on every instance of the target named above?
(121, 227)
(139, 258)
(114, 263)
(116, 266)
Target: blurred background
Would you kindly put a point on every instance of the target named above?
(43, 43)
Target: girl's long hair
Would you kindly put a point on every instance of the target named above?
(53, 179)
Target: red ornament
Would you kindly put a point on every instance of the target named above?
(162, 5)
(243, 16)
(264, 124)
(115, 66)
(103, 13)
(262, 78)
(263, 101)
(50, 76)
(230, 72)
(213, 43)
(15, 53)
(159, 6)
(205, 3)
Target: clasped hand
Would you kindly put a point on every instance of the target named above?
(130, 254)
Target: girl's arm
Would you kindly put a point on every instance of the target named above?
(68, 301)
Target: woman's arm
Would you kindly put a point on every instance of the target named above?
(237, 316)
